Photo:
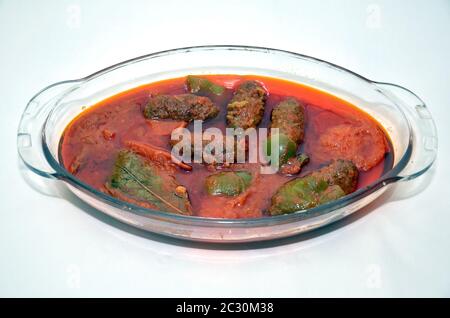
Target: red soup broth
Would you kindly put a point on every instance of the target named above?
(90, 143)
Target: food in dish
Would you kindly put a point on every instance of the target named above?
(328, 148)
(318, 187)
(246, 108)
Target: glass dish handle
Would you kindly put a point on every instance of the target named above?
(29, 134)
(423, 129)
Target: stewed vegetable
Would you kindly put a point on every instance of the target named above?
(186, 107)
(289, 117)
(321, 186)
(364, 144)
(246, 108)
(294, 164)
(144, 182)
(201, 85)
(229, 183)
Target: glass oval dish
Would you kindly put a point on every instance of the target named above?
(403, 115)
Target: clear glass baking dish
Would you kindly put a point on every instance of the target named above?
(404, 116)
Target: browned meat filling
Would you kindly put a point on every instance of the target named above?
(246, 108)
(185, 107)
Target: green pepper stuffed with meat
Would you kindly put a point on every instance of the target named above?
(289, 118)
(321, 186)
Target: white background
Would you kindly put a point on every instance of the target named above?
(51, 244)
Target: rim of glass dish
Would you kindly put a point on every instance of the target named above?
(61, 173)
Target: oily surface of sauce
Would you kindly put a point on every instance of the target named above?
(90, 143)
